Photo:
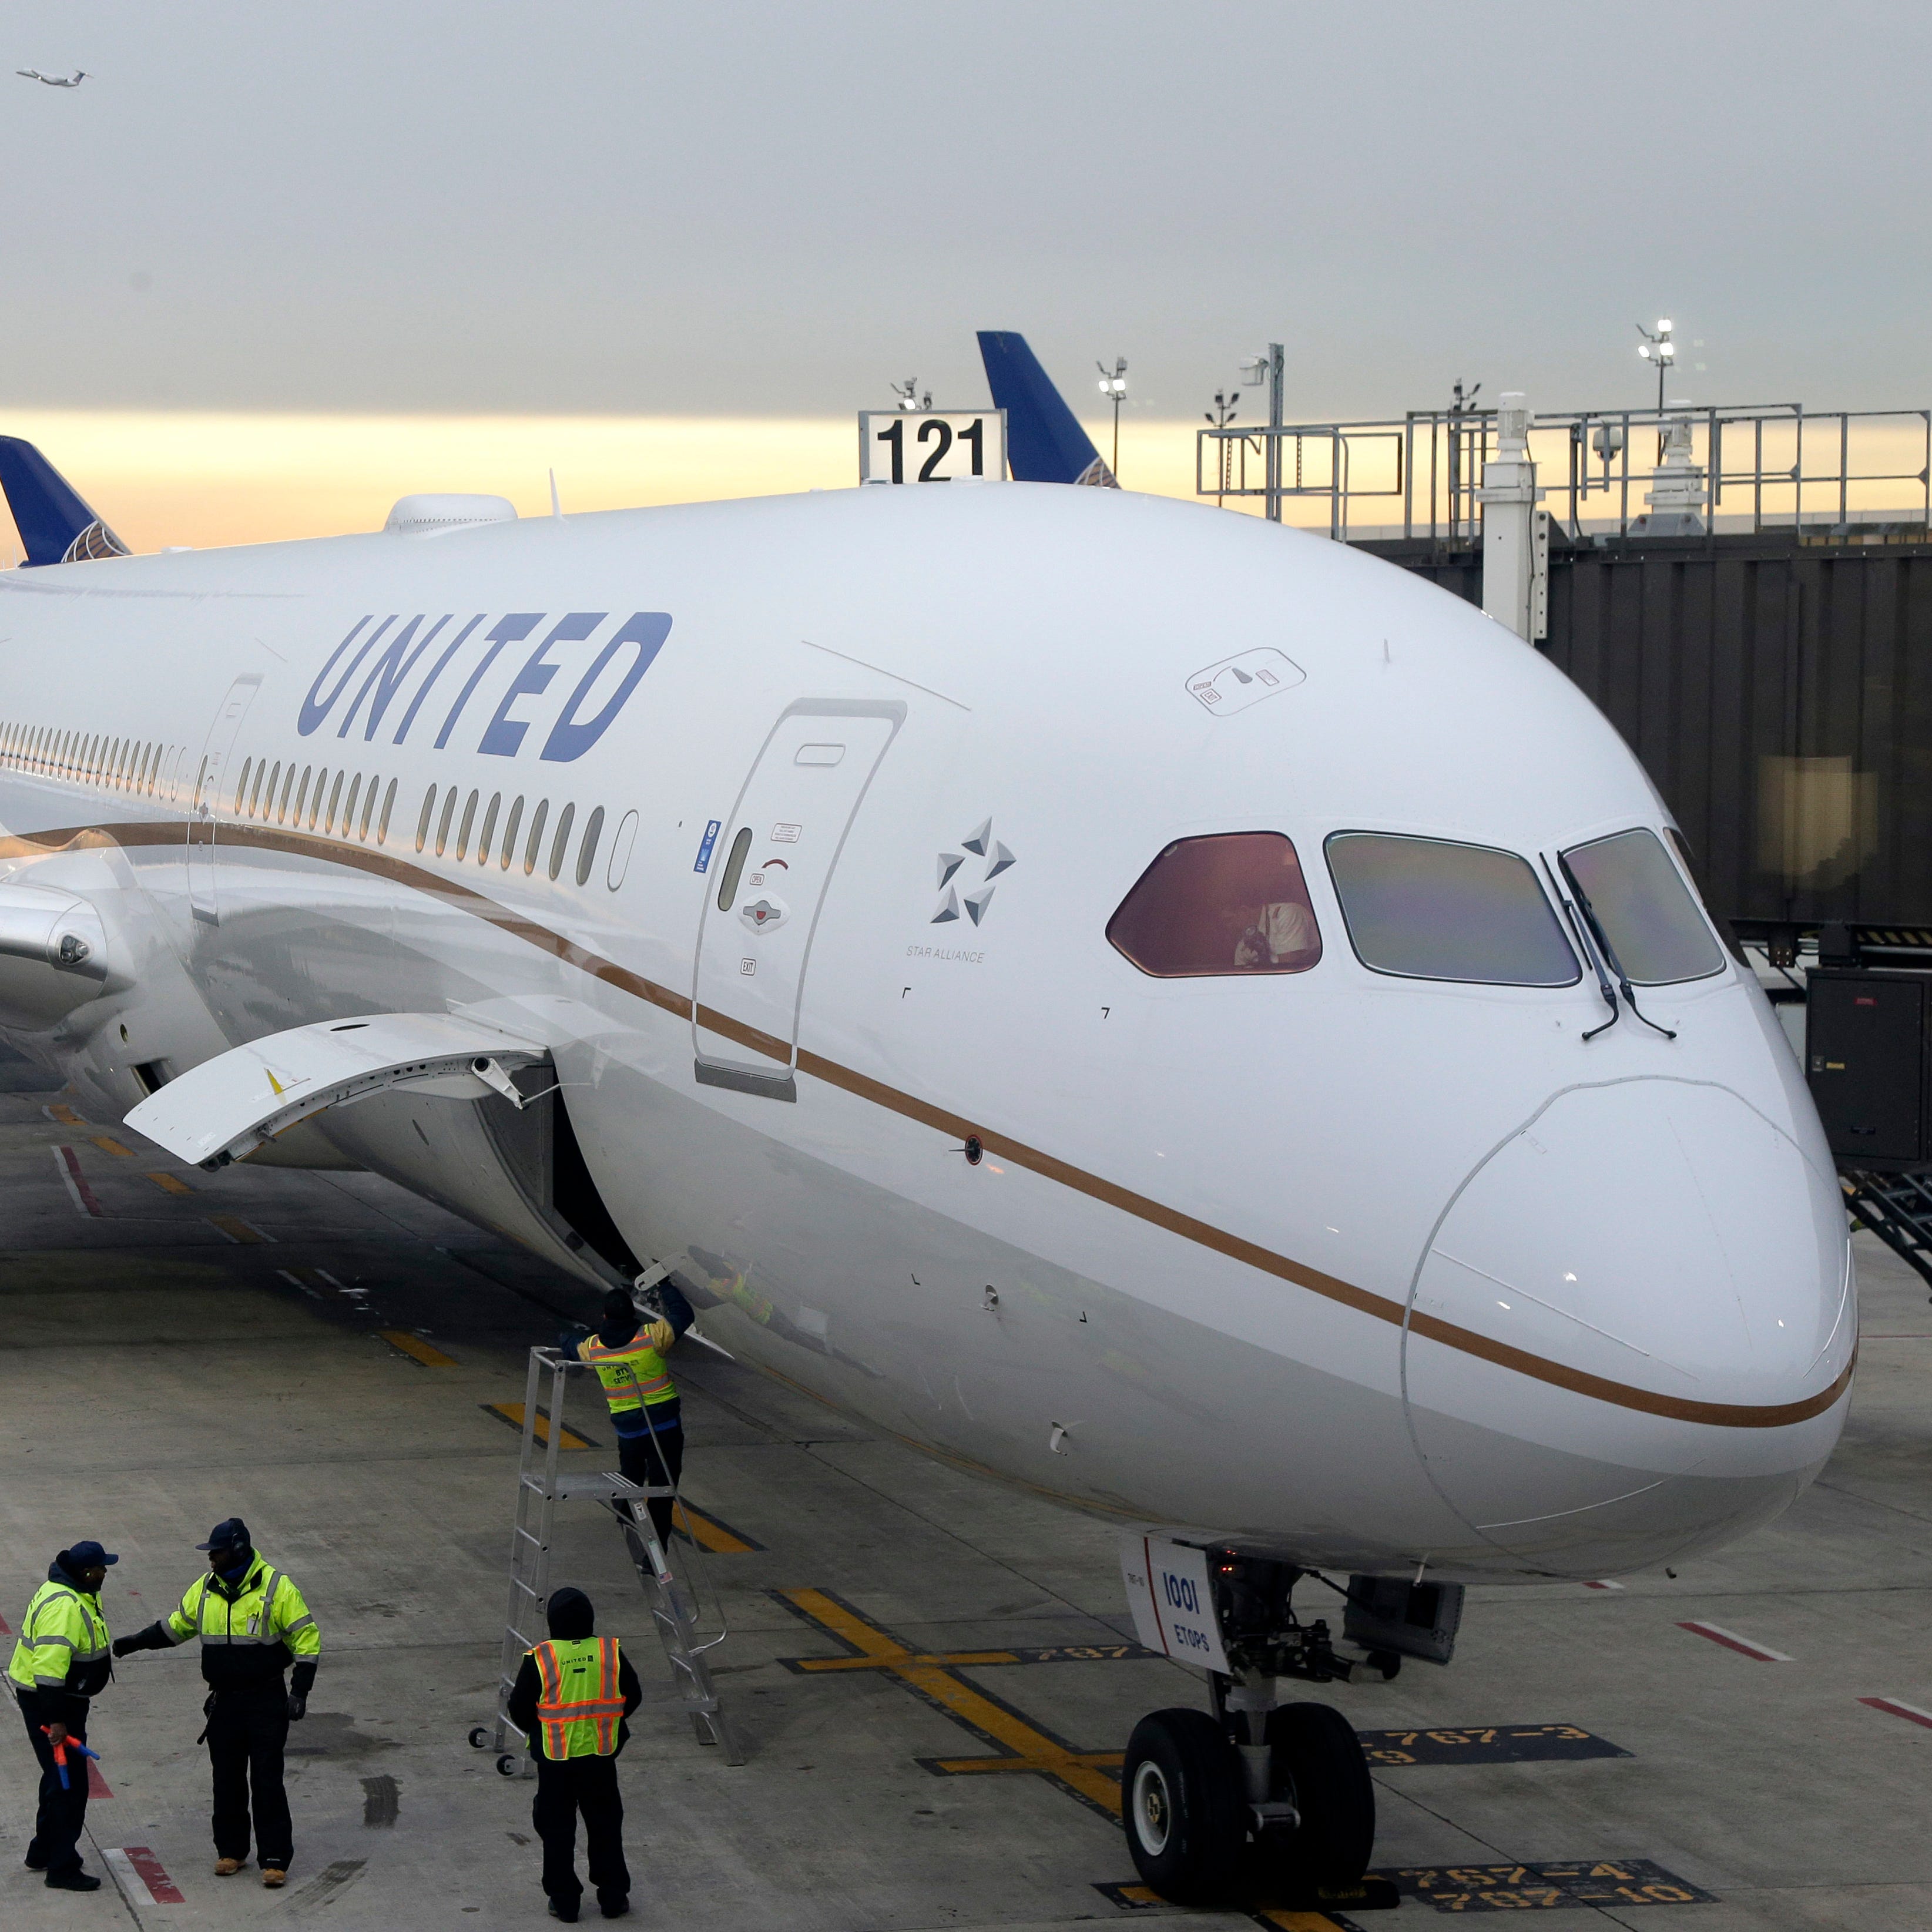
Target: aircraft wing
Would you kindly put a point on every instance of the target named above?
(228, 1106)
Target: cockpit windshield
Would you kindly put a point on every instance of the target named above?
(1431, 909)
(1642, 906)
(1232, 902)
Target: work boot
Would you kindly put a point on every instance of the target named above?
(33, 1861)
(614, 1904)
(564, 1909)
(72, 1879)
(273, 1876)
(226, 1867)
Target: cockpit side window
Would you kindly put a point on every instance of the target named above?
(1640, 903)
(1230, 903)
(1432, 909)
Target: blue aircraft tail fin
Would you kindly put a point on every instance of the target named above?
(1044, 442)
(55, 526)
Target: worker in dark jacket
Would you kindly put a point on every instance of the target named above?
(627, 1351)
(571, 1700)
(252, 1623)
(58, 1663)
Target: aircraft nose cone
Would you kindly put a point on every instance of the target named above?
(1626, 1333)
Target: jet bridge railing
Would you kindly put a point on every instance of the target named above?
(1763, 466)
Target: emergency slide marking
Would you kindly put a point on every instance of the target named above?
(238, 837)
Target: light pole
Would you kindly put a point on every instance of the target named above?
(1272, 366)
(1114, 384)
(1221, 416)
(1657, 348)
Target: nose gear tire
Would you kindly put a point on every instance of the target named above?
(1316, 1761)
(1183, 1808)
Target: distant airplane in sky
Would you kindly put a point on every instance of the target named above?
(52, 80)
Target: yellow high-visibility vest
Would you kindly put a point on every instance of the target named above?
(268, 1609)
(580, 1704)
(63, 1628)
(634, 1372)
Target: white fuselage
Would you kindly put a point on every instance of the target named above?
(1364, 1270)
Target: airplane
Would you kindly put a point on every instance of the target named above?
(53, 79)
(1162, 1011)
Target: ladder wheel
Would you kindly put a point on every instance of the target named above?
(508, 1766)
(479, 1739)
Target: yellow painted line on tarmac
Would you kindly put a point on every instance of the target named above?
(708, 1533)
(1084, 1774)
(416, 1349)
(65, 1115)
(170, 1183)
(107, 1144)
(236, 1229)
(512, 1412)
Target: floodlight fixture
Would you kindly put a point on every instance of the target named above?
(1114, 385)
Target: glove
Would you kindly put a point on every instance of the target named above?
(298, 1689)
(153, 1638)
(298, 1706)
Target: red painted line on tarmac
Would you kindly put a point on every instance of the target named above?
(6, 1628)
(1911, 1713)
(68, 1162)
(97, 1785)
(1603, 1586)
(152, 1873)
(1742, 1646)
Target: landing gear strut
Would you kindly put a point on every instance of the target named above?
(1261, 1795)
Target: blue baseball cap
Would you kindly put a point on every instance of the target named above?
(230, 1535)
(85, 1556)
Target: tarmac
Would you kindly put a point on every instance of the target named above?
(331, 1359)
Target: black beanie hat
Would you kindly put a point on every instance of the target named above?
(571, 1615)
(620, 1319)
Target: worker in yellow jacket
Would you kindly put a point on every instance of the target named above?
(628, 1350)
(570, 1700)
(59, 1663)
(253, 1624)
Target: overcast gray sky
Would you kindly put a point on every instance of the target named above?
(712, 207)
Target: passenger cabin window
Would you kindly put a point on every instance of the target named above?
(1430, 909)
(1638, 903)
(586, 852)
(1231, 903)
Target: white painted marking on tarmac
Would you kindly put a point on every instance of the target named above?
(1731, 1640)
(1597, 1585)
(1899, 1707)
(78, 1192)
(142, 1878)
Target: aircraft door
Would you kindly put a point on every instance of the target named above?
(217, 753)
(766, 887)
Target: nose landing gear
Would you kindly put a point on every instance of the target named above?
(1261, 1797)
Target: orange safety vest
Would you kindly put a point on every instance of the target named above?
(581, 1704)
(634, 1372)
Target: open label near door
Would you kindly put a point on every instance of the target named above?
(785, 837)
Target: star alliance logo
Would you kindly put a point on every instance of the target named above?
(996, 858)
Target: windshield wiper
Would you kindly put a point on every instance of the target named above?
(1609, 953)
(1589, 951)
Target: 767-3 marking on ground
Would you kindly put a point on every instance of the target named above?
(1091, 1777)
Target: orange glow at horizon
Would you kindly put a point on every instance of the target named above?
(207, 479)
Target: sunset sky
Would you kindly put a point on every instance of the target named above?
(268, 269)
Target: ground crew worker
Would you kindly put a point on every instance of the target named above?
(252, 1623)
(60, 1661)
(627, 1351)
(570, 1700)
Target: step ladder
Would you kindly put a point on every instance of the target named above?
(1896, 1207)
(541, 1487)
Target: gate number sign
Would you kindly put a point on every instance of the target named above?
(919, 446)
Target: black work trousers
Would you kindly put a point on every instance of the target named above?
(565, 1787)
(62, 1816)
(247, 1730)
(654, 1462)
